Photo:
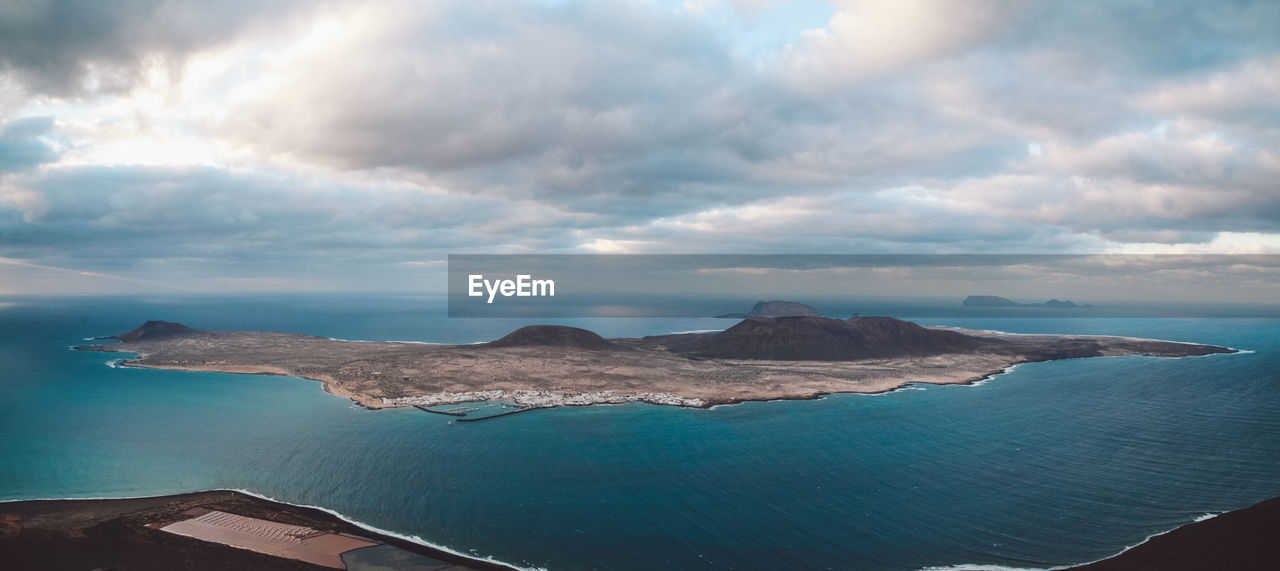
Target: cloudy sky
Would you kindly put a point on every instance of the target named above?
(153, 146)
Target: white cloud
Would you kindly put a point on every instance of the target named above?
(1222, 243)
(867, 38)
(1248, 92)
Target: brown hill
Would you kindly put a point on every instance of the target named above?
(152, 330)
(777, 308)
(825, 339)
(552, 336)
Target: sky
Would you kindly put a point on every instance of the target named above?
(241, 146)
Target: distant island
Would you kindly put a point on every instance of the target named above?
(775, 308)
(997, 301)
(760, 358)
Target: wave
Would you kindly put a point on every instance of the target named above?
(694, 331)
(982, 567)
(903, 388)
(339, 515)
(988, 378)
(410, 538)
(988, 567)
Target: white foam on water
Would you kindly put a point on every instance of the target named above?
(409, 538)
(981, 567)
(988, 378)
(361, 525)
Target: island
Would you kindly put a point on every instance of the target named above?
(997, 301)
(538, 366)
(775, 308)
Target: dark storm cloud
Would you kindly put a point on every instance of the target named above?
(69, 47)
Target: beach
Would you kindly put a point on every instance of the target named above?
(170, 532)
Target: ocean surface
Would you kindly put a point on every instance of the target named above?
(1050, 464)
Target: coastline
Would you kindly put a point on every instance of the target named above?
(120, 513)
(331, 387)
(1237, 539)
(414, 539)
(539, 378)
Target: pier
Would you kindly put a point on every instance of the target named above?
(509, 412)
(444, 412)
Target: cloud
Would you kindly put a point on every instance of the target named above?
(114, 216)
(568, 95)
(1247, 95)
(25, 143)
(65, 48)
(590, 109)
(867, 38)
(294, 139)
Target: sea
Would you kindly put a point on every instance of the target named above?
(1049, 464)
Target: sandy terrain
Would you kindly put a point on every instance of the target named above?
(269, 537)
(127, 534)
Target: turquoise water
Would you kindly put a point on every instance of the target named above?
(1053, 463)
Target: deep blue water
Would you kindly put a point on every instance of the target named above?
(1053, 463)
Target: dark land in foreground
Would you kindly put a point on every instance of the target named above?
(1239, 540)
(123, 535)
